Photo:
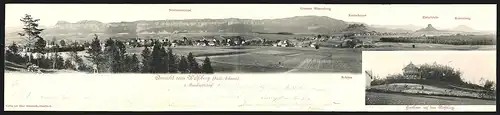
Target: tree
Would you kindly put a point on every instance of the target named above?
(44, 62)
(9, 56)
(121, 47)
(156, 62)
(69, 65)
(164, 60)
(488, 84)
(13, 48)
(79, 65)
(134, 64)
(112, 56)
(146, 58)
(183, 65)
(207, 67)
(95, 53)
(171, 59)
(62, 43)
(12, 54)
(109, 42)
(13, 57)
(193, 65)
(40, 45)
(440, 72)
(126, 63)
(31, 32)
(121, 57)
(59, 62)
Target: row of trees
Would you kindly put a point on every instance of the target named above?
(442, 40)
(114, 59)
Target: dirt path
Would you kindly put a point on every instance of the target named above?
(301, 65)
(312, 64)
(217, 56)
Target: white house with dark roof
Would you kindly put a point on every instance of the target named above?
(411, 71)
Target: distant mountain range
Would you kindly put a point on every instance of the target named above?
(408, 27)
(297, 24)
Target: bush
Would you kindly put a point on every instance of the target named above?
(440, 73)
(489, 84)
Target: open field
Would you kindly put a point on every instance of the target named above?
(297, 59)
(267, 59)
(374, 98)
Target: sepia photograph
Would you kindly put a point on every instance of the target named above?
(430, 77)
(208, 38)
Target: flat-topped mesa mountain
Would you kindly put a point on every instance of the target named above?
(84, 26)
(297, 24)
(429, 28)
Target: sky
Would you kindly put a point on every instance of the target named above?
(474, 65)
(483, 17)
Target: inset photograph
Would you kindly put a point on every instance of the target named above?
(430, 77)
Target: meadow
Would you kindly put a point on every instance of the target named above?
(274, 59)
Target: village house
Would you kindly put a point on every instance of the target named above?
(199, 43)
(411, 72)
(211, 43)
(313, 45)
(49, 45)
(103, 46)
(369, 79)
(283, 43)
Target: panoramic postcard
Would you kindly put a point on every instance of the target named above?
(307, 57)
(126, 38)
